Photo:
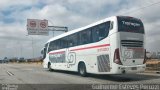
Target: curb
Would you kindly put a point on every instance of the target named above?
(157, 72)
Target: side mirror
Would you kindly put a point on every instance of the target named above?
(42, 51)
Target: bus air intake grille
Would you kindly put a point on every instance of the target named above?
(103, 63)
(131, 43)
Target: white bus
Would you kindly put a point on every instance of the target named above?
(114, 45)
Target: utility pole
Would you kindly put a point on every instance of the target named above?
(32, 48)
(21, 50)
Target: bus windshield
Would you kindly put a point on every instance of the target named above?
(129, 24)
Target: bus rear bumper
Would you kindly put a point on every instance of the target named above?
(119, 69)
(131, 69)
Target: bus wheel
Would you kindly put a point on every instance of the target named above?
(82, 69)
(49, 67)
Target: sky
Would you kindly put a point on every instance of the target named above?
(14, 41)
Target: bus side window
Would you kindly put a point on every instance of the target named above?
(72, 40)
(95, 34)
(57, 44)
(100, 31)
(85, 36)
(52, 46)
(64, 42)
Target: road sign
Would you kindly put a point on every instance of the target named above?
(58, 28)
(37, 27)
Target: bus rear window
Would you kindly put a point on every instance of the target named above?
(129, 24)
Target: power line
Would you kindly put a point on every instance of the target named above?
(141, 8)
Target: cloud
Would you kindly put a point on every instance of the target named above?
(8, 3)
(71, 13)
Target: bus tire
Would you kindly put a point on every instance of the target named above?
(49, 67)
(82, 69)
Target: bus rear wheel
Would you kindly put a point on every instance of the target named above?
(82, 69)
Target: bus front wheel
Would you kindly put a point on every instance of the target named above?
(49, 67)
(82, 69)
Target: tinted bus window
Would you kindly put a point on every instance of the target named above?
(85, 37)
(129, 24)
(72, 40)
(52, 46)
(100, 31)
(64, 42)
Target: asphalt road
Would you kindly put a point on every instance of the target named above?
(34, 77)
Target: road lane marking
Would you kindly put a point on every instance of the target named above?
(9, 73)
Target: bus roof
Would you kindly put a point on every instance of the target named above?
(82, 28)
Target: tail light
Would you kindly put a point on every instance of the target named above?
(117, 57)
(144, 57)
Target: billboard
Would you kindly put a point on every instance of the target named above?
(37, 27)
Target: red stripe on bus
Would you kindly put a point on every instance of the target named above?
(60, 52)
(104, 45)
